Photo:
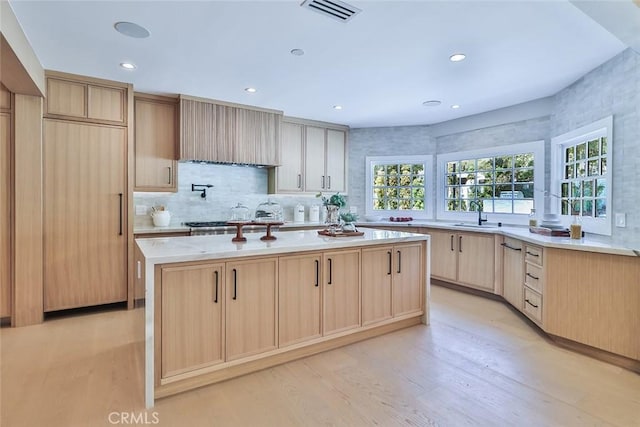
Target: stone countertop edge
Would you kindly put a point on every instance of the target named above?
(214, 247)
(179, 228)
(587, 244)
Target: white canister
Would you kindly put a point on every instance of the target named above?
(314, 213)
(298, 213)
(161, 218)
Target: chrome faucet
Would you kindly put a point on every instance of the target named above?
(478, 206)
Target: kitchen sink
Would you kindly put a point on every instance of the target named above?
(470, 225)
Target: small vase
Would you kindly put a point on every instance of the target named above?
(333, 214)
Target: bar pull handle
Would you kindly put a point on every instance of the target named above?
(460, 243)
(169, 181)
(322, 186)
(452, 243)
(330, 272)
(120, 214)
(317, 273)
(532, 254)
(139, 273)
(510, 247)
(532, 276)
(389, 270)
(299, 180)
(215, 273)
(399, 261)
(329, 182)
(530, 303)
(235, 284)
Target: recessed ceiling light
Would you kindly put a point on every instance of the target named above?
(250, 89)
(455, 106)
(297, 52)
(457, 57)
(432, 103)
(337, 107)
(132, 30)
(128, 65)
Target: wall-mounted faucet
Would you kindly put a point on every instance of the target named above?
(202, 188)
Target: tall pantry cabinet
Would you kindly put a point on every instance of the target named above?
(85, 197)
(5, 202)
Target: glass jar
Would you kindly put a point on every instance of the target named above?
(575, 229)
(533, 220)
(269, 211)
(240, 213)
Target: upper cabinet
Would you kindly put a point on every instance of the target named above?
(315, 158)
(85, 99)
(155, 139)
(228, 133)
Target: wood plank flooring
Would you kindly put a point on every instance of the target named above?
(478, 363)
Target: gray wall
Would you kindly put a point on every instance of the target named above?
(611, 89)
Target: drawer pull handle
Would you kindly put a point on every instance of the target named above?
(330, 271)
(533, 254)
(317, 273)
(235, 284)
(216, 298)
(532, 276)
(452, 243)
(460, 244)
(530, 303)
(511, 247)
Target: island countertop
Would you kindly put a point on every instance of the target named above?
(199, 248)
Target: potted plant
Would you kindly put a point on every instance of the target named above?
(349, 218)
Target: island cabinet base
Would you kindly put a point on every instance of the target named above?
(222, 372)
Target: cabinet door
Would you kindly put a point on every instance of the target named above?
(251, 307)
(299, 298)
(106, 103)
(443, 254)
(335, 161)
(314, 176)
(377, 273)
(200, 129)
(341, 308)
(407, 279)
(5, 211)
(290, 171)
(155, 145)
(138, 274)
(512, 272)
(192, 326)
(85, 221)
(476, 260)
(66, 98)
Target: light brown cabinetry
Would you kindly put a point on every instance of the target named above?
(5, 205)
(85, 220)
(251, 299)
(533, 282)
(85, 99)
(192, 322)
(513, 272)
(228, 133)
(155, 142)
(325, 159)
(391, 282)
(299, 294)
(287, 177)
(467, 259)
(341, 293)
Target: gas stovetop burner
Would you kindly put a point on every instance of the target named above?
(206, 224)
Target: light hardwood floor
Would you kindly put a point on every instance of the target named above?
(477, 364)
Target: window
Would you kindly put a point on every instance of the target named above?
(581, 177)
(398, 186)
(501, 181)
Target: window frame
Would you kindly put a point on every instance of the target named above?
(426, 160)
(597, 129)
(535, 147)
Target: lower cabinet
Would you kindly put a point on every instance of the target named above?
(341, 293)
(391, 282)
(250, 307)
(513, 271)
(192, 323)
(299, 315)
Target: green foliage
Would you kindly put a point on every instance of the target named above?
(348, 217)
(335, 199)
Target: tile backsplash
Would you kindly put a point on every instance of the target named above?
(231, 185)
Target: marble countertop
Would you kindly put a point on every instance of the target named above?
(590, 243)
(196, 248)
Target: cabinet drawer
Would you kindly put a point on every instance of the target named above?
(533, 304)
(533, 254)
(533, 277)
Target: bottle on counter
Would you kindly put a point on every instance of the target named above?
(533, 219)
(575, 229)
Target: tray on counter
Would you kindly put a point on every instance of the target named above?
(549, 231)
(340, 233)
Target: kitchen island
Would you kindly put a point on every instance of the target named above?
(216, 309)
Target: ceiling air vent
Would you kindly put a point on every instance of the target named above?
(332, 8)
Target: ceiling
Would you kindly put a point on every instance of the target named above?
(380, 66)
